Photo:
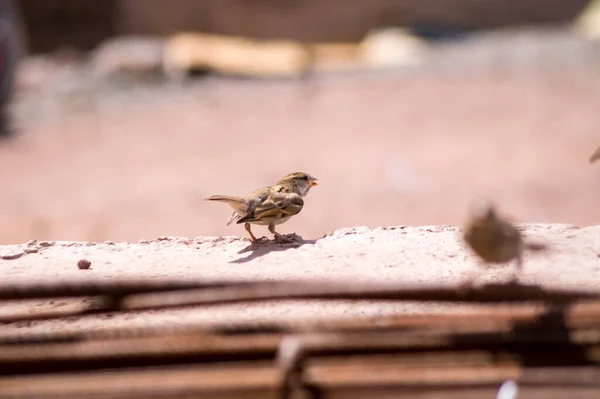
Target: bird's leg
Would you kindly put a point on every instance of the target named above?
(519, 264)
(277, 235)
(470, 280)
(247, 227)
(252, 237)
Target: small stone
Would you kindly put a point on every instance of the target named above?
(31, 243)
(109, 243)
(46, 243)
(31, 250)
(84, 264)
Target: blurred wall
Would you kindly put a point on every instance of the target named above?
(84, 23)
(334, 19)
(78, 23)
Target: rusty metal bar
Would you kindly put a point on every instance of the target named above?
(151, 381)
(134, 352)
(484, 318)
(135, 295)
(173, 348)
(328, 375)
(151, 293)
(471, 392)
(303, 290)
(549, 344)
(71, 288)
(96, 305)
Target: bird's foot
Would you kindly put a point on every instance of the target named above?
(259, 240)
(287, 238)
(282, 239)
(467, 284)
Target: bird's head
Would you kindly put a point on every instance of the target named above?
(483, 211)
(300, 182)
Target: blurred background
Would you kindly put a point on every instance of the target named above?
(120, 116)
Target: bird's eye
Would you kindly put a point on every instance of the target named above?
(305, 177)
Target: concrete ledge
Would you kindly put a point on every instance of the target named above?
(428, 255)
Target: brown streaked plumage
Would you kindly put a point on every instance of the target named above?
(278, 208)
(270, 205)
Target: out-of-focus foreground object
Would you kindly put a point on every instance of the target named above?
(12, 48)
(544, 340)
(588, 22)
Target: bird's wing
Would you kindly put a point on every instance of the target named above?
(291, 204)
(276, 206)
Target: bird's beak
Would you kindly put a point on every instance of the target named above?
(313, 182)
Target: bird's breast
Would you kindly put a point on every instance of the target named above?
(268, 222)
(491, 246)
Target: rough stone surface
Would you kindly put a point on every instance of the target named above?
(428, 254)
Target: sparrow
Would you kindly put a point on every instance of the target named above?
(271, 205)
(493, 238)
(595, 156)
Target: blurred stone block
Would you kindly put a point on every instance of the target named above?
(234, 55)
(286, 58)
(133, 55)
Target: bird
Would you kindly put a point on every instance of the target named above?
(595, 156)
(271, 205)
(281, 204)
(493, 238)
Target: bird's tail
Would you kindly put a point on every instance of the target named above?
(236, 203)
(226, 198)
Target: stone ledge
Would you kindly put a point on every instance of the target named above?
(408, 255)
(427, 254)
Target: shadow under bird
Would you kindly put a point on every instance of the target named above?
(270, 206)
(494, 239)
